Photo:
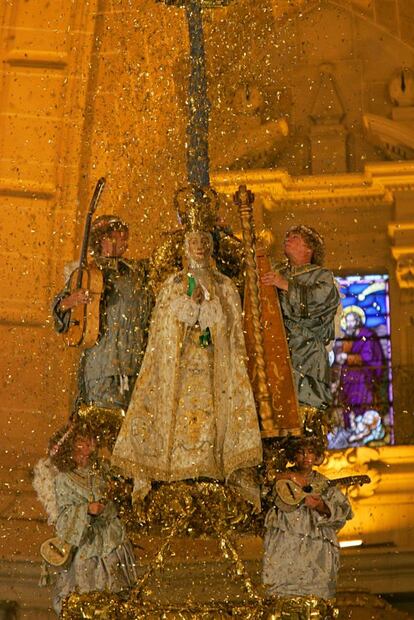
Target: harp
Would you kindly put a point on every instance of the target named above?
(269, 364)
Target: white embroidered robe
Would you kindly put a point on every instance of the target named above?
(192, 413)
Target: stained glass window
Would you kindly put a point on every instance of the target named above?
(362, 412)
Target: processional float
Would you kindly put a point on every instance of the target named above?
(211, 508)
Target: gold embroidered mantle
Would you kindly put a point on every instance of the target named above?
(192, 413)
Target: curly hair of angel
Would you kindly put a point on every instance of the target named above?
(313, 240)
(62, 444)
(294, 445)
(103, 226)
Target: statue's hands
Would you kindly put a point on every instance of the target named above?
(198, 294)
(273, 278)
(95, 508)
(315, 502)
(312, 501)
(78, 297)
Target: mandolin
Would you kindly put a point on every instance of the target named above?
(292, 493)
(83, 328)
(56, 552)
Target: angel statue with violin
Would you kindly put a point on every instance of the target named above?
(192, 414)
(301, 552)
(108, 367)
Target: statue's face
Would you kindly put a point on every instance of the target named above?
(82, 449)
(114, 244)
(296, 249)
(305, 459)
(199, 247)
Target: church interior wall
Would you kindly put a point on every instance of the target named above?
(325, 38)
(92, 88)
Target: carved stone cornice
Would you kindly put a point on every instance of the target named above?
(373, 187)
(27, 188)
(383, 514)
(376, 569)
(355, 461)
(396, 138)
(404, 268)
(39, 59)
(19, 579)
(358, 604)
(390, 468)
(401, 232)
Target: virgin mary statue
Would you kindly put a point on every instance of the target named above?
(192, 414)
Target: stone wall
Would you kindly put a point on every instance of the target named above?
(98, 87)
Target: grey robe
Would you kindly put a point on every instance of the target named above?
(301, 551)
(107, 371)
(103, 557)
(309, 307)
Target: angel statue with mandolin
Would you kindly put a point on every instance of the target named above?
(121, 306)
(91, 551)
(301, 551)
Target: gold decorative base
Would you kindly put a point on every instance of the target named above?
(192, 509)
(205, 4)
(204, 505)
(108, 606)
(302, 608)
(112, 607)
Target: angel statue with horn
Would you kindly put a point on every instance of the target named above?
(192, 414)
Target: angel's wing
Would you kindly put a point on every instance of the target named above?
(44, 485)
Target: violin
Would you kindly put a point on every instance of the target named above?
(84, 319)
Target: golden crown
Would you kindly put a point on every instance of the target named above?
(197, 208)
